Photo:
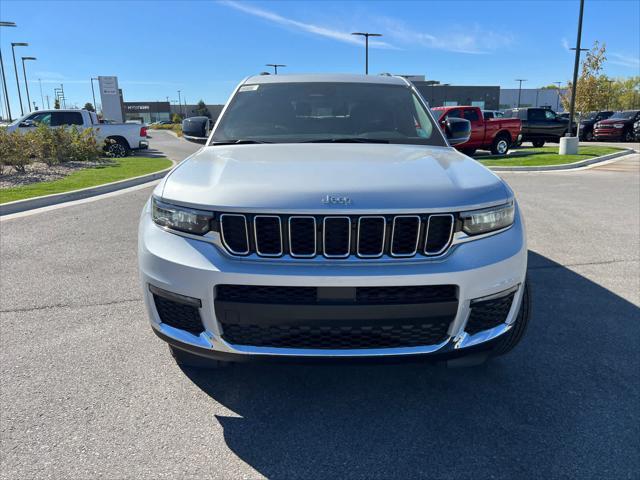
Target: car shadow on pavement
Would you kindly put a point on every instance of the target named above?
(563, 403)
(151, 153)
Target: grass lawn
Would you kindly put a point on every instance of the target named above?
(532, 157)
(119, 169)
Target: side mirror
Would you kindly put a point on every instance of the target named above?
(196, 129)
(457, 130)
(27, 124)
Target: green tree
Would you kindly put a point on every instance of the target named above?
(176, 118)
(89, 106)
(594, 88)
(202, 110)
(549, 87)
(625, 93)
(56, 104)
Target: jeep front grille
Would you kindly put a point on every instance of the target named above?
(336, 237)
(335, 317)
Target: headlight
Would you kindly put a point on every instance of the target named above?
(183, 219)
(487, 220)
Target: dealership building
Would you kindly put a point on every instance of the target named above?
(532, 97)
(149, 112)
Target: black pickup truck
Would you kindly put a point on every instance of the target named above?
(539, 125)
(588, 121)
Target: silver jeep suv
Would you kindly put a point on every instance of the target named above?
(329, 216)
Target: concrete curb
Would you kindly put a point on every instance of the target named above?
(55, 198)
(566, 166)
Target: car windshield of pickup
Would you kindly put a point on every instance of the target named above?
(328, 112)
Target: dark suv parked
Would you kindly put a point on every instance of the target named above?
(587, 122)
(539, 125)
(618, 126)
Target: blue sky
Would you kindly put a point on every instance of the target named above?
(204, 48)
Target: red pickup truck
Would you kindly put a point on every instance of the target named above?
(495, 134)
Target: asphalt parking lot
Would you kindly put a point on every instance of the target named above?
(88, 391)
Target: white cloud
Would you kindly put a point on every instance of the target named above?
(565, 44)
(624, 60)
(334, 34)
(460, 39)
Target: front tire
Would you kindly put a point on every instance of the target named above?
(509, 340)
(629, 136)
(538, 143)
(588, 137)
(500, 145)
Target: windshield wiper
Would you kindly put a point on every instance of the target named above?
(239, 142)
(347, 140)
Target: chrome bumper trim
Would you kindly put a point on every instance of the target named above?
(208, 341)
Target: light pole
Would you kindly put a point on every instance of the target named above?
(4, 79)
(520, 88)
(179, 103)
(93, 94)
(41, 96)
(576, 64)
(558, 99)
(26, 83)
(275, 66)
(15, 67)
(366, 36)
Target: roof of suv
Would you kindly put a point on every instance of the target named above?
(331, 77)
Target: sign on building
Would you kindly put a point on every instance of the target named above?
(110, 98)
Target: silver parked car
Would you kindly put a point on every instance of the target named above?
(329, 216)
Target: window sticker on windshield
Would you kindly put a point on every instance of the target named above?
(248, 88)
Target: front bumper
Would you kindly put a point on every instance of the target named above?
(192, 268)
(609, 133)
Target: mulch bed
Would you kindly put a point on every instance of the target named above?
(40, 172)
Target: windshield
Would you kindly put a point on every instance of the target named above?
(624, 115)
(326, 112)
(590, 116)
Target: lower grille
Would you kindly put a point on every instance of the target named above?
(335, 317)
(266, 294)
(489, 313)
(269, 294)
(337, 337)
(178, 315)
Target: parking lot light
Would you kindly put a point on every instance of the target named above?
(520, 88)
(4, 79)
(275, 66)
(15, 68)
(576, 65)
(366, 36)
(26, 83)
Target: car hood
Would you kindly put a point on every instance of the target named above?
(610, 121)
(296, 177)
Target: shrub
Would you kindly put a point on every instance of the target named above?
(51, 146)
(16, 150)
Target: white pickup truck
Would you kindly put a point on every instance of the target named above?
(124, 136)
